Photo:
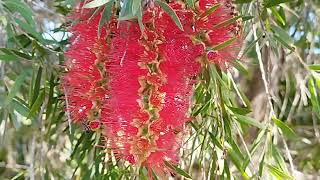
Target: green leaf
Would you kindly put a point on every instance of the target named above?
(36, 87)
(278, 157)
(242, 1)
(126, 11)
(21, 8)
(249, 121)
(285, 129)
(227, 22)
(278, 16)
(209, 11)
(205, 106)
(20, 107)
(215, 141)
(255, 144)
(15, 88)
(261, 165)
(314, 97)
(315, 67)
(139, 17)
(284, 43)
(7, 55)
(190, 3)
(50, 96)
(96, 11)
(251, 45)
(177, 169)
(105, 15)
(224, 44)
(239, 66)
(171, 13)
(241, 111)
(236, 149)
(226, 170)
(282, 33)
(29, 29)
(236, 160)
(136, 4)
(278, 173)
(271, 3)
(246, 18)
(96, 3)
(13, 54)
(36, 105)
(283, 37)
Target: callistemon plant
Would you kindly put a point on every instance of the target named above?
(133, 77)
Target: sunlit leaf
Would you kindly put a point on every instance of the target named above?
(315, 67)
(95, 3)
(285, 129)
(278, 173)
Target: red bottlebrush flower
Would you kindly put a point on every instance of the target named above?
(79, 82)
(136, 85)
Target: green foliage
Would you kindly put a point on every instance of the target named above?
(235, 133)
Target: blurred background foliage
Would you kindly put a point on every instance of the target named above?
(258, 120)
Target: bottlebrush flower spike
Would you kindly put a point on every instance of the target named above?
(84, 82)
(137, 86)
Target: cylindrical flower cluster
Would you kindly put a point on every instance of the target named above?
(135, 85)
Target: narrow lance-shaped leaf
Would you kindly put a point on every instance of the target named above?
(224, 44)
(261, 165)
(278, 173)
(239, 66)
(20, 107)
(210, 11)
(278, 16)
(16, 86)
(277, 156)
(286, 130)
(177, 169)
(136, 4)
(37, 84)
(282, 36)
(171, 12)
(95, 3)
(315, 67)
(314, 97)
(27, 28)
(190, 3)
(249, 121)
(36, 105)
(126, 11)
(271, 3)
(21, 8)
(242, 1)
(227, 22)
(241, 111)
(105, 15)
